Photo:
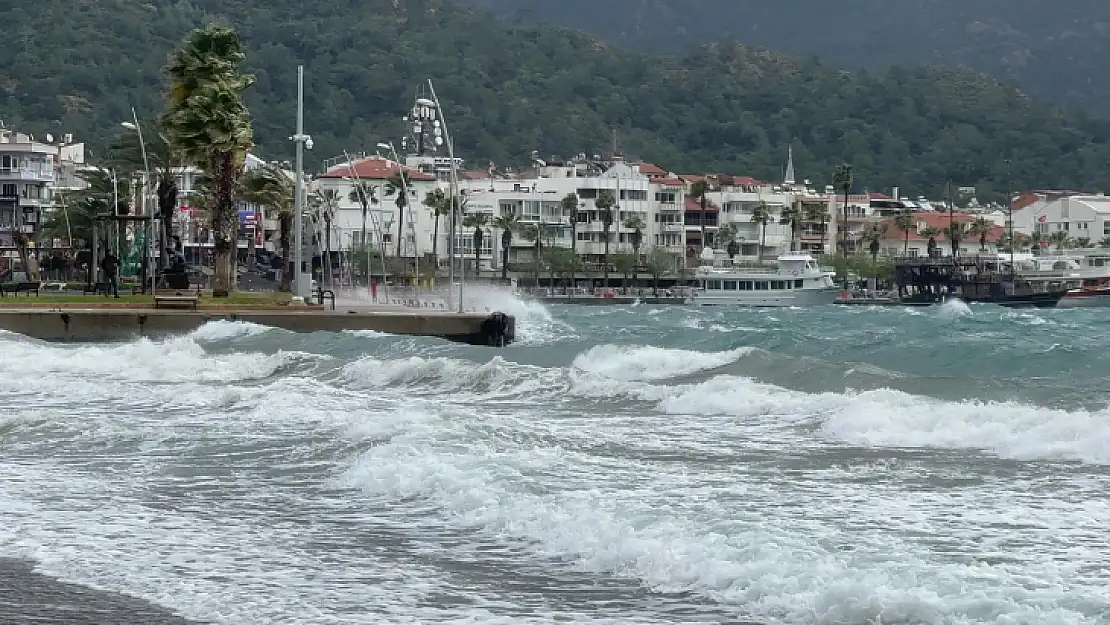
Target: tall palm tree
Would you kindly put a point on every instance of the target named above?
(209, 123)
(606, 205)
(507, 224)
(395, 187)
(700, 191)
(636, 238)
(954, 231)
(981, 227)
(819, 213)
(271, 187)
(570, 206)
(727, 234)
(762, 216)
(874, 236)
(437, 201)
(904, 222)
(365, 195)
(931, 233)
(791, 216)
(842, 179)
(477, 221)
(324, 203)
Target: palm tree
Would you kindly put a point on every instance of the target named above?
(874, 235)
(209, 123)
(606, 204)
(271, 187)
(570, 205)
(954, 231)
(819, 213)
(436, 200)
(477, 221)
(507, 224)
(791, 216)
(762, 216)
(727, 234)
(981, 227)
(700, 191)
(365, 195)
(395, 187)
(536, 234)
(904, 222)
(842, 179)
(325, 202)
(636, 238)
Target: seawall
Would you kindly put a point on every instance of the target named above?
(114, 324)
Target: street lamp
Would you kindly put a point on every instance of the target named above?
(134, 125)
(302, 287)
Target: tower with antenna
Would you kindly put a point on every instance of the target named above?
(788, 179)
(424, 131)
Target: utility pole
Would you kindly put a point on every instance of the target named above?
(302, 285)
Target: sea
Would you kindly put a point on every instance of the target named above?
(627, 464)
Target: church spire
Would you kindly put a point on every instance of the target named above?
(789, 178)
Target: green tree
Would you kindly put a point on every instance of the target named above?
(904, 222)
(365, 195)
(625, 264)
(570, 206)
(791, 216)
(700, 192)
(508, 225)
(324, 203)
(1058, 239)
(209, 123)
(606, 205)
(930, 233)
(981, 227)
(437, 202)
(819, 213)
(955, 232)
(659, 261)
(761, 215)
(842, 180)
(478, 221)
(269, 186)
(395, 187)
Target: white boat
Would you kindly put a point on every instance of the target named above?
(793, 280)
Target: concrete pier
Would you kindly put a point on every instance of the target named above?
(114, 324)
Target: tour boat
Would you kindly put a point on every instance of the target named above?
(793, 280)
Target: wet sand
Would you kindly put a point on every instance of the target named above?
(29, 598)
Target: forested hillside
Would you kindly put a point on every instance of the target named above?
(78, 65)
(1056, 50)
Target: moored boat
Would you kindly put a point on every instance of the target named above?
(792, 280)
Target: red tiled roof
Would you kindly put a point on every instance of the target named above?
(670, 182)
(692, 178)
(476, 175)
(651, 169)
(1025, 199)
(938, 220)
(879, 196)
(692, 204)
(739, 181)
(374, 168)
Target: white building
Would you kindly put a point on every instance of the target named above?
(26, 180)
(1080, 217)
(382, 220)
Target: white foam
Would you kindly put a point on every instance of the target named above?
(638, 362)
(224, 330)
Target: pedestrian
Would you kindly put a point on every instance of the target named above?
(110, 265)
(374, 290)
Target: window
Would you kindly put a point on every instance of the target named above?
(713, 285)
(798, 284)
(633, 194)
(8, 190)
(1106, 228)
(761, 286)
(730, 285)
(665, 197)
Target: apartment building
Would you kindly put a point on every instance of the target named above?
(26, 179)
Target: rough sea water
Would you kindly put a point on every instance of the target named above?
(634, 464)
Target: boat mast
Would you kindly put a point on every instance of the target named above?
(1010, 205)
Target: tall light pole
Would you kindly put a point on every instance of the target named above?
(149, 214)
(454, 204)
(302, 287)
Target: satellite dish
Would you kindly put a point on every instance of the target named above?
(49, 138)
(435, 122)
(425, 102)
(439, 140)
(437, 132)
(417, 128)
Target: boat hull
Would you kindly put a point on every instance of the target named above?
(769, 299)
(1085, 299)
(1026, 300)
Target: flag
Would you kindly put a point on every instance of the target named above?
(1042, 219)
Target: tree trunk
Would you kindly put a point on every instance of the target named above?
(605, 267)
(167, 207)
(224, 222)
(435, 243)
(400, 226)
(536, 251)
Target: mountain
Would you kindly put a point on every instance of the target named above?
(79, 65)
(1056, 50)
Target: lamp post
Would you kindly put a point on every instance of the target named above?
(302, 286)
(149, 228)
(454, 204)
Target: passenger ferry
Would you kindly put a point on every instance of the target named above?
(793, 280)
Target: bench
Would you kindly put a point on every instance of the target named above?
(19, 287)
(176, 298)
(176, 301)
